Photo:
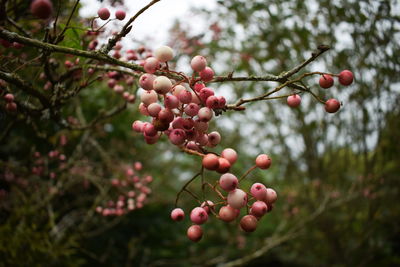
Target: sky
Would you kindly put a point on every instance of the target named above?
(156, 21)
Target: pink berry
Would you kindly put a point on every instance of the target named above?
(195, 233)
(151, 65)
(171, 101)
(148, 97)
(214, 138)
(202, 139)
(137, 126)
(212, 102)
(237, 198)
(192, 109)
(205, 114)
(143, 109)
(177, 136)
(207, 74)
(248, 223)
(198, 215)
(177, 214)
(166, 115)
(9, 98)
(120, 14)
(221, 102)
(199, 86)
(205, 93)
(164, 53)
(346, 77)
(210, 161)
(332, 105)
(185, 96)
(224, 165)
(162, 85)
(259, 208)
(154, 109)
(228, 182)
(263, 161)
(230, 155)
(271, 196)
(42, 8)
(227, 213)
(103, 13)
(294, 100)
(177, 89)
(198, 63)
(201, 126)
(258, 191)
(326, 81)
(146, 81)
(149, 130)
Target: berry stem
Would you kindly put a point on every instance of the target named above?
(247, 172)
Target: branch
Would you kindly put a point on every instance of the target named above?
(126, 29)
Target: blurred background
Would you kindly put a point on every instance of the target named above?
(336, 175)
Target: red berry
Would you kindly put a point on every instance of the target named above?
(294, 100)
(346, 77)
(259, 208)
(11, 107)
(263, 161)
(228, 182)
(195, 233)
(198, 215)
(103, 13)
(42, 8)
(207, 74)
(332, 105)
(248, 223)
(210, 161)
(326, 81)
(237, 198)
(9, 98)
(177, 214)
(258, 191)
(227, 213)
(229, 154)
(224, 165)
(120, 14)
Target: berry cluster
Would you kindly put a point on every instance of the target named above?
(332, 105)
(132, 191)
(258, 201)
(11, 106)
(179, 109)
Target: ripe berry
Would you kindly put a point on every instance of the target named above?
(228, 182)
(177, 136)
(199, 86)
(248, 223)
(42, 8)
(177, 89)
(237, 198)
(229, 154)
(263, 161)
(198, 63)
(205, 114)
(212, 102)
(326, 81)
(294, 100)
(177, 214)
(151, 64)
(9, 98)
(224, 165)
(205, 93)
(154, 109)
(149, 130)
(103, 13)
(146, 81)
(162, 85)
(346, 77)
(258, 191)
(137, 126)
(171, 101)
(120, 14)
(185, 96)
(207, 74)
(166, 115)
(210, 162)
(259, 208)
(271, 196)
(192, 109)
(195, 233)
(164, 53)
(227, 213)
(148, 97)
(332, 105)
(198, 215)
(214, 138)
